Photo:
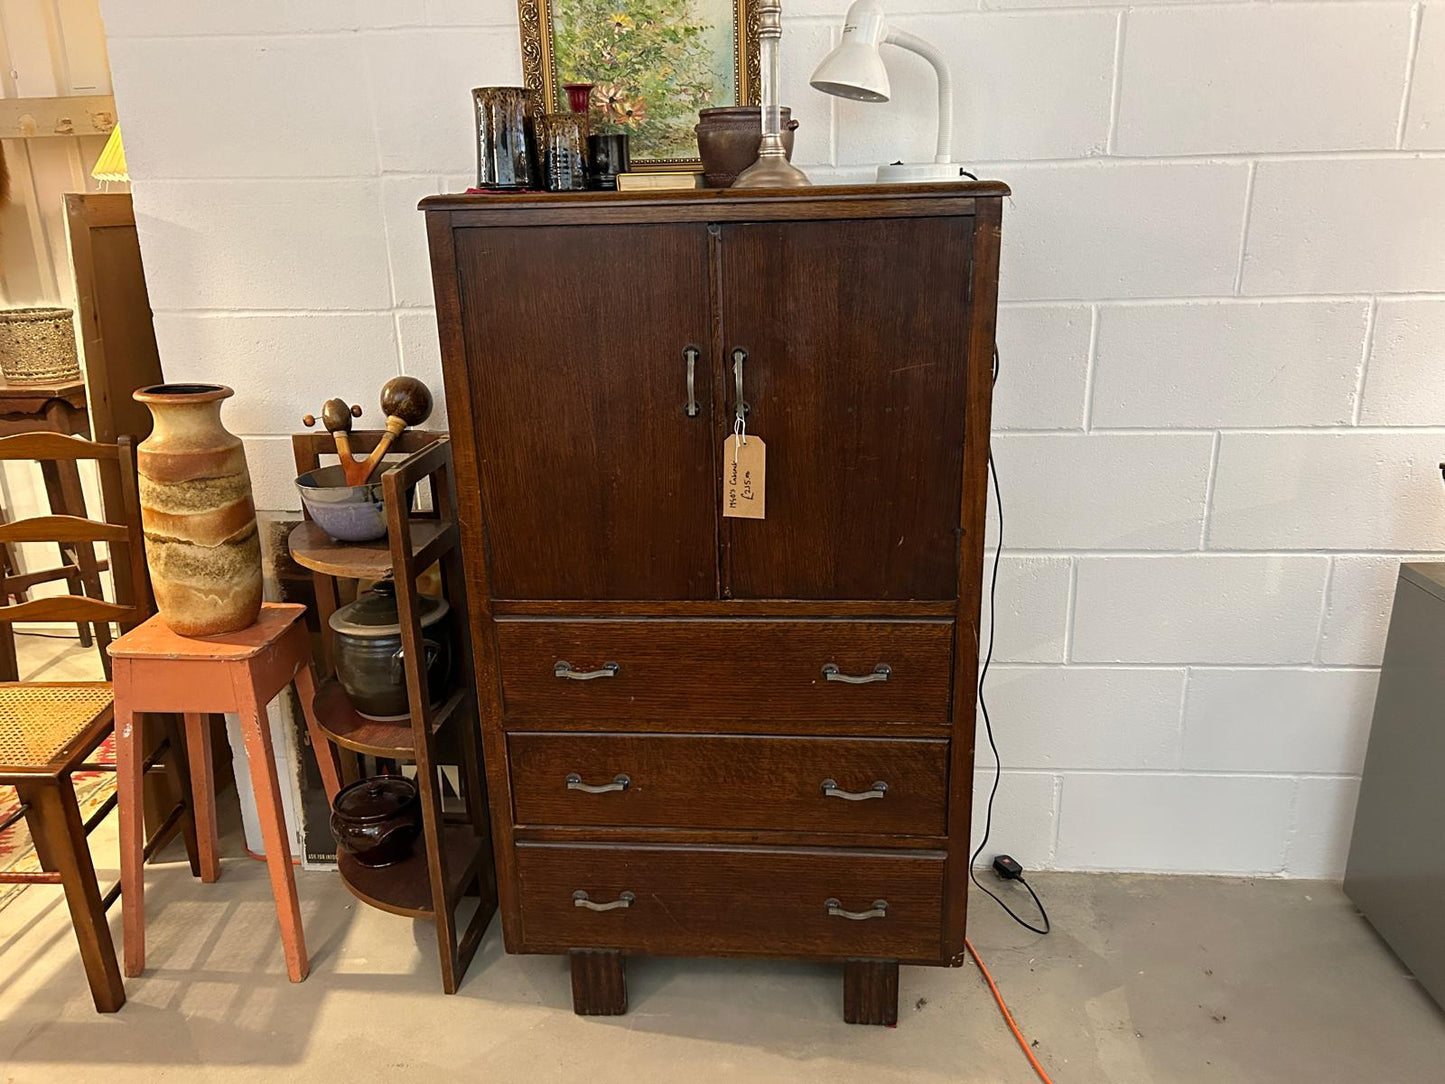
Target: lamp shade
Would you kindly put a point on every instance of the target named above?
(853, 70)
(110, 166)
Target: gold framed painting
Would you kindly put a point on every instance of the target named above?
(653, 64)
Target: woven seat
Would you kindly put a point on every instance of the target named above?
(39, 722)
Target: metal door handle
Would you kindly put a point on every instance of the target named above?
(564, 670)
(691, 353)
(879, 910)
(742, 408)
(619, 782)
(880, 673)
(579, 899)
(878, 790)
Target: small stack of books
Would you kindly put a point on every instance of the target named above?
(659, 181)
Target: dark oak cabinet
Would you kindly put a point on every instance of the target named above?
(707, 735)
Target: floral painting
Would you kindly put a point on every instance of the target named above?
(653, 65)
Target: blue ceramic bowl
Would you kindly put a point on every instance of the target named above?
(346, 513)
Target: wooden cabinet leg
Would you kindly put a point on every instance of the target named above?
(599, 983)
(870, 992)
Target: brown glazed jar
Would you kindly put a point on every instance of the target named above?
(377, 820)
(197, 512)
(728, 137)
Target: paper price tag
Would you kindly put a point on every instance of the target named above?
(745, 464)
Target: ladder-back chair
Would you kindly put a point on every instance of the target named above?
(49, 729)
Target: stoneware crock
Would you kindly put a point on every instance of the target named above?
(369, 659)
(728, 138)
(197, 512)
(376, 821)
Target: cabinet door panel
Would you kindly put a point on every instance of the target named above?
(855, 376)
(595, 481)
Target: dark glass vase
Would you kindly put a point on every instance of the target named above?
(607, 156)
(506, 157)
(561, 138)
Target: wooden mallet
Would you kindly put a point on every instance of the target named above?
(336, 417)
(405, 401)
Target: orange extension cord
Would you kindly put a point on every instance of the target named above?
(983, 970)
(1008, 1016)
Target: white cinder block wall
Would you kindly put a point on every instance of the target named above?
(1223, 341)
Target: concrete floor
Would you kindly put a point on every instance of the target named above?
(1169, 979)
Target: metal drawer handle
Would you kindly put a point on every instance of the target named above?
(880, 673)
(564, 670)
(830, 790)
(880, 910)
(579, 899)
(741, 409)
(691, 353)
(619, 782)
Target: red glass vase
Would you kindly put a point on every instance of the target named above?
(579, 96)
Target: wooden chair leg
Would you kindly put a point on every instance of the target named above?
(325, 758)
(85, 558)
(129, 778)
(56, 496)
(9, 663)
(178, 772)
(59, 835)
(256, 730)
(202, 794)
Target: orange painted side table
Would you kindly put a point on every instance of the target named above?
(158, 671)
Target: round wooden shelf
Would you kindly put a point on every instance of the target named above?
(405, 888)
(394, 740)
(313, 548)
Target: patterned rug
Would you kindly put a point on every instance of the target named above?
(17, 852)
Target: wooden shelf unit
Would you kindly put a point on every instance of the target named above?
(405, 888)
(454, 857)
(313, 548)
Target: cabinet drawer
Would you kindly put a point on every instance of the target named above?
(713, 781)
(720, 670)
(753, 902)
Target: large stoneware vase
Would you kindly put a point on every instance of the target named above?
(197, 511)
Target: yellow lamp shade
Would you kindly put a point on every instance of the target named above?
(110, 166)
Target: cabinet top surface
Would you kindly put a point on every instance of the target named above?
(1427, 574)
(730, 197)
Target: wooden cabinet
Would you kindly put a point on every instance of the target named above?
(708, 735)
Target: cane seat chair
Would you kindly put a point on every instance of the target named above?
(49, 729)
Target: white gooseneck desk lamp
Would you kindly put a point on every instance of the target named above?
(855, 70)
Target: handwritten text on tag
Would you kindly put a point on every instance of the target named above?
(745, 462)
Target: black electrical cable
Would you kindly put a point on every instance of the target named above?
(983, 707)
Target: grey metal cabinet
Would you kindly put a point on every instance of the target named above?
(1396, 871)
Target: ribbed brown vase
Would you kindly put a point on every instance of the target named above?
(197, 511)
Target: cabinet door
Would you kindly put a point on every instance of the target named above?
(856, 336)
(596, 482)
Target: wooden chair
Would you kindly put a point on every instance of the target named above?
(48, 729)
(56, 408)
